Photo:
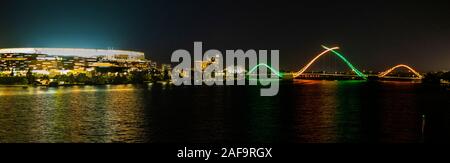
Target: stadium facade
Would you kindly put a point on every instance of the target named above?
(69, 60)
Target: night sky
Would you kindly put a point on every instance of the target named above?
(373, 35)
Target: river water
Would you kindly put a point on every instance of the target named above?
(303, 112)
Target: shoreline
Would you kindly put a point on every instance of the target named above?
(72, 85)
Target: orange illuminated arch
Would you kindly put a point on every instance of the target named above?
(383, 74)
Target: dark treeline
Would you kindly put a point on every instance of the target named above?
(99, 77)
(437, 77)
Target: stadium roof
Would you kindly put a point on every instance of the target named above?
(87, 53)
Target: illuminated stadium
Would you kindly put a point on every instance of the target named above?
(64, 60)
(85, 53)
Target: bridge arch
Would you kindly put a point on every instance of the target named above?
(279, 74)
(383, 74)
(327, 51)
(301, 71)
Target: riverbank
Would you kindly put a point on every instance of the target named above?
(72, 85)
(19, 85)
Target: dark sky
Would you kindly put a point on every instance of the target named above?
(373, 35)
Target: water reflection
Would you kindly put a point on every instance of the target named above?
(304, 111)
(352, 111)
(316, 111)
(75, 114)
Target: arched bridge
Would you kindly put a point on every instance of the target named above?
(385, 73)
(332, 50)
